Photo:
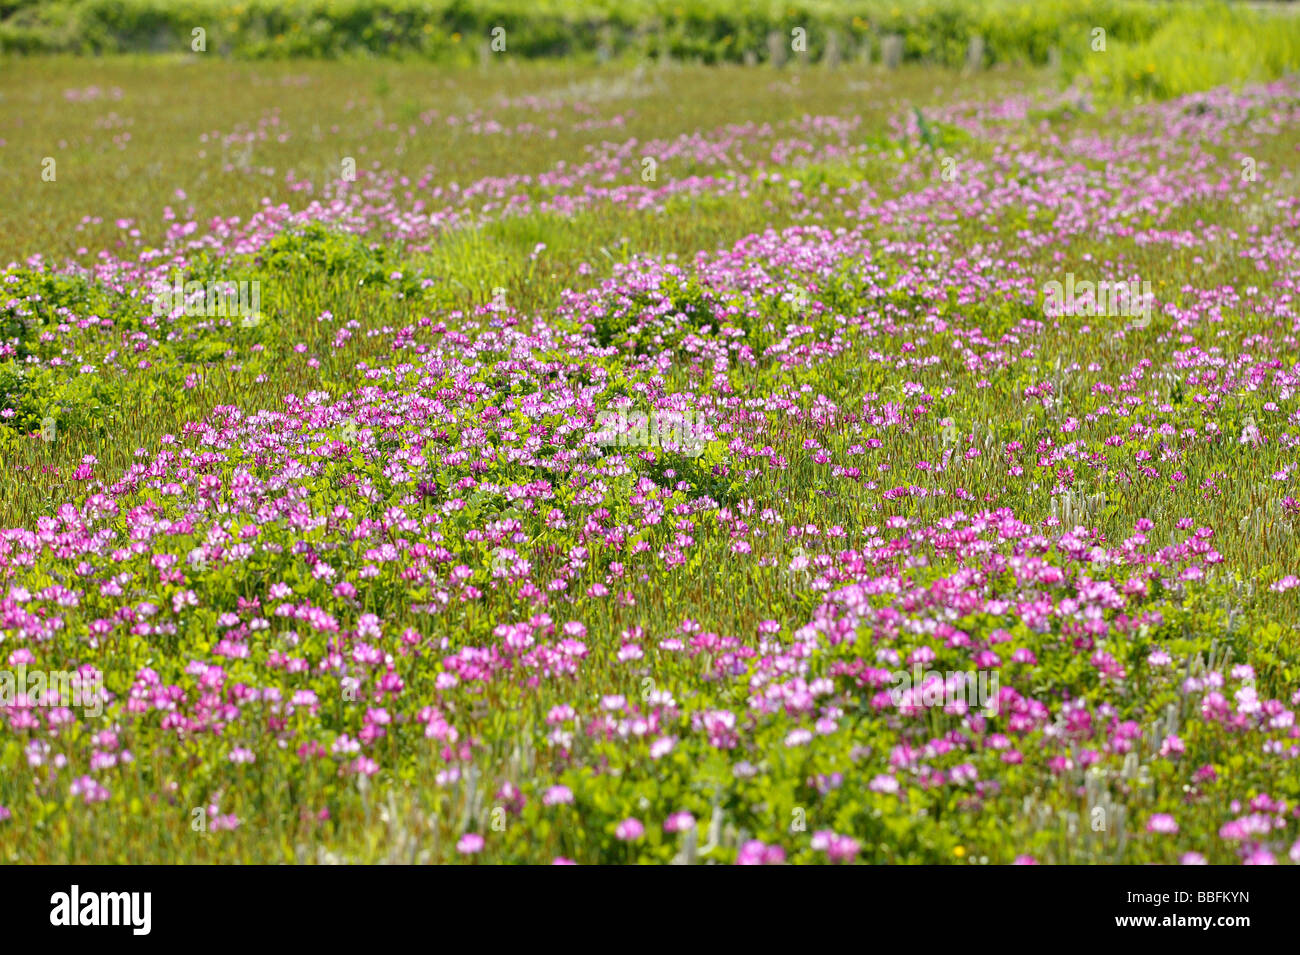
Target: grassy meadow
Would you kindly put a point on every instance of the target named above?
(648, 461)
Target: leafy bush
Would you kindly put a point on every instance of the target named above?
(37, 309)
(1202, 47)
(1158, 49)
(319, 249)
(454, 30)
(33, 301)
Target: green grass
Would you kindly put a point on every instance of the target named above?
(402, 816)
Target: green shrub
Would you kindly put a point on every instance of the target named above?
(453, 30)
(1204, 46)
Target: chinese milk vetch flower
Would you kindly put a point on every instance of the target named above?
(629, 830)
(470, 843)
(1162, 823)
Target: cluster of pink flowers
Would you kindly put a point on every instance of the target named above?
(452, 529)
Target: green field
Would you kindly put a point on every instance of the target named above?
(609, 439)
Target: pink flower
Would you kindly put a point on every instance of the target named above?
(470, 843)
(629, 830)
(1162, 822)
(837, 848)
(755, 852)
(679, 822)
(883, 783)
(557, 796)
